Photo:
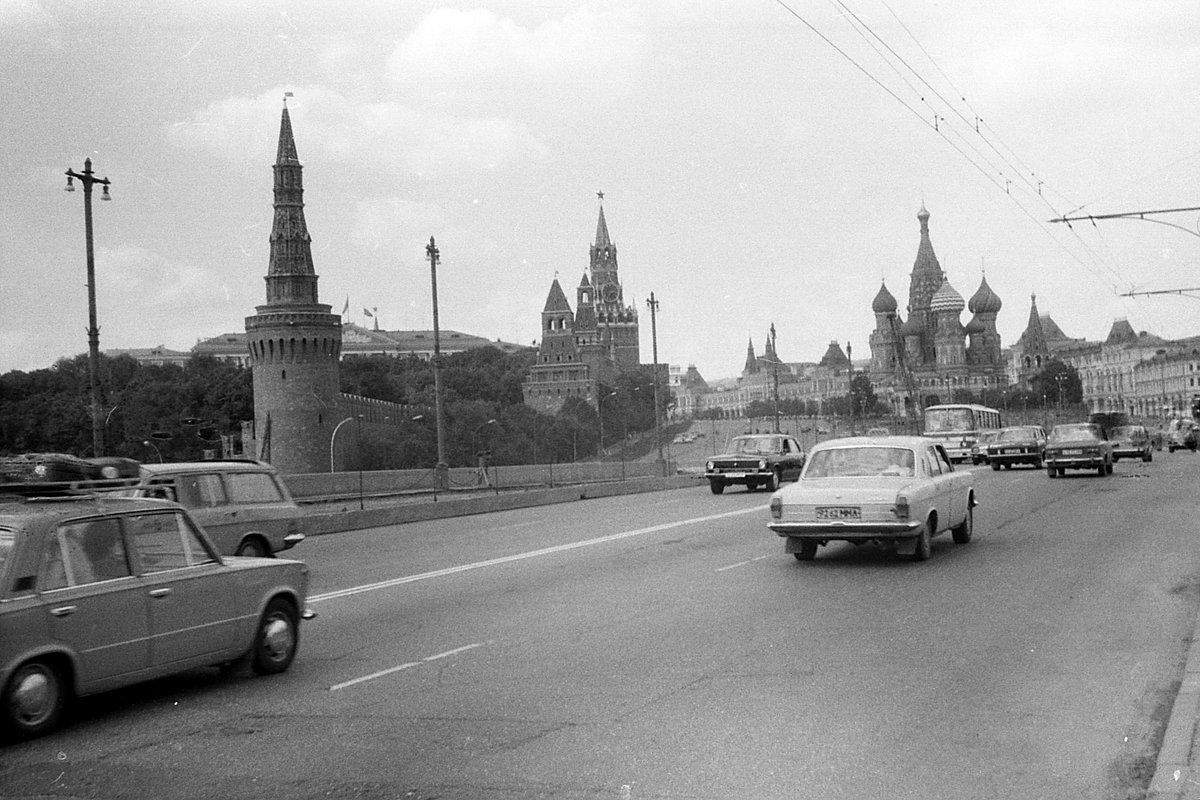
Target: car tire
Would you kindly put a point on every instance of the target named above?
(807, 551)
(1108, 468)
(253, 547)
(1037, 463)
(996, 466)
(1051, 471)
(716, 486)
(924, 547)
(962, 534)
(33, 701)
(772, 483)
(1148, 456)
(1101, 471)
(276, 639)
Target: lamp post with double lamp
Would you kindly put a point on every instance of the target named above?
(88, 179)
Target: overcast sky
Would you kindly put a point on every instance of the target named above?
(762, 162)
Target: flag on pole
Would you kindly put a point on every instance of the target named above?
(346, 308)
(367, 311)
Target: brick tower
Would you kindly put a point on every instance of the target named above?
(295, 343)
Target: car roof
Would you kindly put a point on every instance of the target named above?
(223, 465)
(913, 442)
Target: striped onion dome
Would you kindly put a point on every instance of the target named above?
(946, 299)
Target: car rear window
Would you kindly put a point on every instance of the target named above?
(252, 487)
(845, 462)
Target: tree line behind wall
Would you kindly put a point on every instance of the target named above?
(196, 409)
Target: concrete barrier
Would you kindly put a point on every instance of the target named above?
(429, 506)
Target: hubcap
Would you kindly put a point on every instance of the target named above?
(278, 638)
(33, 697)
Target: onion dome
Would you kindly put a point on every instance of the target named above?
(975, 326)
(984, 301)
(884, 303)
(946, 299)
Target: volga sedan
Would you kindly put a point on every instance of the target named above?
(895, 491)
(102, 592)
(1078, 445)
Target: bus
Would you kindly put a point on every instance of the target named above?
(958, 425)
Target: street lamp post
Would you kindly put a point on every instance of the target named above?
(442, 470)
(653, 304)
(333, 437)
(157, 452)
(88, 178)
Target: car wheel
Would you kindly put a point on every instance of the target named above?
(1051, 471)
(996, 466)
(253, 547)
(924, 544)
(1037, 463)
(1108, 468)
(277, 638)
(962, 533)
(1149, 456)
(1101, 471)
(807, 552)
(773, 482)
(716, 486)
(34, 700)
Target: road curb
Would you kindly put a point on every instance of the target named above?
(1176, 775)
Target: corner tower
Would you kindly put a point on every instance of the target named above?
(295, 342)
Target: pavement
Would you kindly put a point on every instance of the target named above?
(1177, 772)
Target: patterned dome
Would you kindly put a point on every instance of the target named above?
(884, 303)
(946, 299)
(984, 301)
(975, 326)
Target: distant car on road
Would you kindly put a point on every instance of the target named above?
(243, 505)
(1181, 435)
(1078, 445)
(896, 491)
(99, 592)
(754, 460)
(1131, 441)
(979, 449)
(1019, 444)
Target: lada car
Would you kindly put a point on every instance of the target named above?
(243, 505)
(63, 468)
(1181, 435)
(899, 492)
(99, 592)
(1019, 444)
(1078, 445)
(1131, 441)
(754, 460)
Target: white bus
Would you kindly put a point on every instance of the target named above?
(958, 425)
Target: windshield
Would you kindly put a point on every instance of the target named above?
(7, 537)
(845, 462)
(1075, 433)
(949, 420)
(1016, 434)
(1125, 432)
(755, 444)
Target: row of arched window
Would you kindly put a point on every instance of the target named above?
(295, 348)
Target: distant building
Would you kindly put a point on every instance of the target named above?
(586, 349)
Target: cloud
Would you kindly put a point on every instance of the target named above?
(473, 54)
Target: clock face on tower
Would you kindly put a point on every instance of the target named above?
(610, 293)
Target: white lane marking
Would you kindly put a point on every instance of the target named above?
(441, 573)
(741, 563)
(404, 666)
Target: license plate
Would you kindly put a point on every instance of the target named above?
(1072, 452)
(1007, 451)
(735, 474)
(839, 512)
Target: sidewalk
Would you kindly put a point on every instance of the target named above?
(1177, 773)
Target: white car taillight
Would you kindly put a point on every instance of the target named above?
(776, 507)
(901, 507)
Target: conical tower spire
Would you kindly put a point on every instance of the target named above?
(291, 279)
(602, 239)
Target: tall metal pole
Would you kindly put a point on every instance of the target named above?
(775, 360)
(442, 470)
(87, 178)
(662, 464)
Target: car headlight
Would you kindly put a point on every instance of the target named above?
(709, 466)
(762, 464)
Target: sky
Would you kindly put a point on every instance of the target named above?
(762, 163)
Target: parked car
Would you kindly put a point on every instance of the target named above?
(1078, 445)
(1181, 435)
(1019, 444)
(899, 492)
(754, 460)
(243, 505)
(1131, 441)
(63, 468)
(979, 449)
(102, 592)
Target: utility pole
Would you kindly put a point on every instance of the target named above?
(442, 470)
(850, 386)
(775, 362)
(653, 304)
(88, 178)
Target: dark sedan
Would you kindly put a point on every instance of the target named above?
(1021, 444)
(1078, 445)
(1131, 441)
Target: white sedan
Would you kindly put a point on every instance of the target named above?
(895, 491)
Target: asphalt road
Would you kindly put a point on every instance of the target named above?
(664, 646)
